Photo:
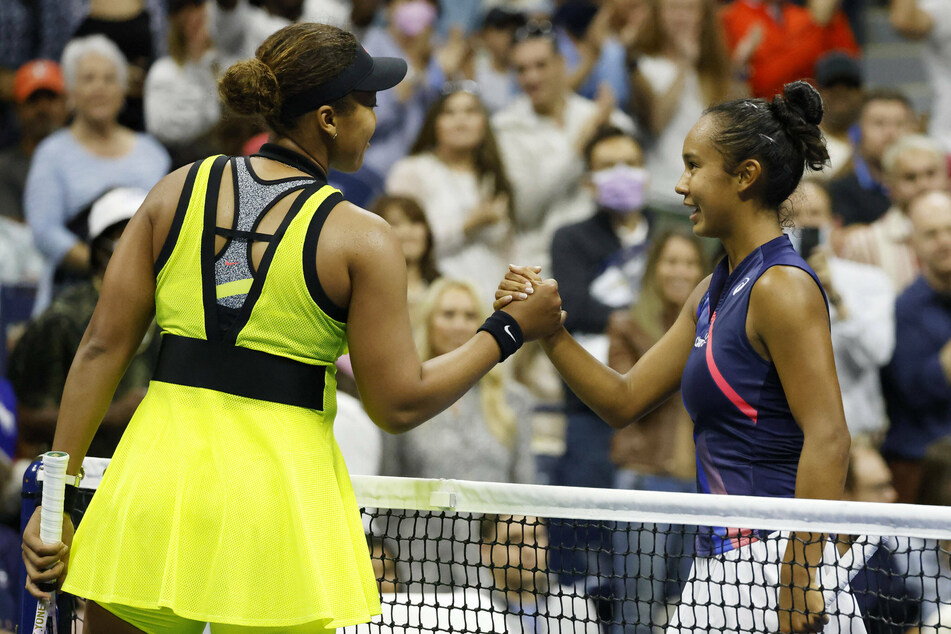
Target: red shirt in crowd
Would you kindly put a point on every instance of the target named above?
(791, 44)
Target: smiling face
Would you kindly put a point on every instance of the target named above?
(97, 94)
(679, 270)
(454, 320)
(540, 71)
(461, 125)
(704, 184)
(354, 128)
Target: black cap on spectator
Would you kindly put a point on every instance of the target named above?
(838, 68)
(502, 18)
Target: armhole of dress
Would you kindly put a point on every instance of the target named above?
(310, 259)
(183, 202)
(206, 259)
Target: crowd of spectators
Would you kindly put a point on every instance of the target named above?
(543, 132)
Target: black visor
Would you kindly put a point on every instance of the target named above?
(365, 73)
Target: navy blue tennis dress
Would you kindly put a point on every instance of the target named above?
(747, 440)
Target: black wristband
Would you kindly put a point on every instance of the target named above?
(506, 331)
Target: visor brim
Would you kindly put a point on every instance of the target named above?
(387, 72)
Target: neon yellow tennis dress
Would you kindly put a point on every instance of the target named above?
(228, 499)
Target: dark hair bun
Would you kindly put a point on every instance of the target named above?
(804, 100)
(799, 111)
(250, 87)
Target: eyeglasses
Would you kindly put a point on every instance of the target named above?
(462, 85)
(534, 29)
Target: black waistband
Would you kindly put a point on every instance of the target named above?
(224, 367)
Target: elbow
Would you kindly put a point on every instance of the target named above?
(395, 420)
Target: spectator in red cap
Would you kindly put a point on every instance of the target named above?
(39, 93)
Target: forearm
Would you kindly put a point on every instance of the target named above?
(439, 383)
(601, 388)
(90, 386)
(821, 476)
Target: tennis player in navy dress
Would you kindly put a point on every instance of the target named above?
(752, 354)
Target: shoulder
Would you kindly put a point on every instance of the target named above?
(913, 298)
(54, 144)
(513, 115)
(162, 69)
(788, 293)
(149, 145)
(369, 234)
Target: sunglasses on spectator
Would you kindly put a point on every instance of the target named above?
(534, 29)
(463, 85)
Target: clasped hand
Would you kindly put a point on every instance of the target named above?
(533, 302)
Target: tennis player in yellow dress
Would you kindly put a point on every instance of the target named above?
(227, 501)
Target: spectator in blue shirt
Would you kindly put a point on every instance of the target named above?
(917, 382)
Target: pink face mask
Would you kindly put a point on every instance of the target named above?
(621, 188)
(412, 18)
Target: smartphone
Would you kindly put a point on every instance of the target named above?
(809, 240)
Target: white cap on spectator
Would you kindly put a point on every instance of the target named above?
(116, 205)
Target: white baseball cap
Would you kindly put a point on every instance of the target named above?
(116, 205)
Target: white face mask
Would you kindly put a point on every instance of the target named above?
(622, 188)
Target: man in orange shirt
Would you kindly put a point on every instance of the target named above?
(776, 41)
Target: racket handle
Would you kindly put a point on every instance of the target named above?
(51, 507)
(54, 491)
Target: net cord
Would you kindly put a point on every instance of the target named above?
(825, 516)
(584, 503)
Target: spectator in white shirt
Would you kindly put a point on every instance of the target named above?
(455, 172)
(862, 311)
(541, 136)
(181, 90)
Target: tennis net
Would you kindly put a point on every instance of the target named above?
(456, 556)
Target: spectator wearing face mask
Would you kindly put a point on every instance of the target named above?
(408, 33)
(599, 263)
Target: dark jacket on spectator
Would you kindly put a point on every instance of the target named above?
(915, 386)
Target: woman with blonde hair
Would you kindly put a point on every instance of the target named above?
(486, 434)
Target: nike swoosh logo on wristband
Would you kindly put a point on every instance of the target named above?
(509, 333)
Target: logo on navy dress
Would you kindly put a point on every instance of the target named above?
(739, 287)
(700, 342)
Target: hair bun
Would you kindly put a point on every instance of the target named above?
(249, 87)
(803, 100)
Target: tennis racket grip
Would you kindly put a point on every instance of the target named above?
(51, 522)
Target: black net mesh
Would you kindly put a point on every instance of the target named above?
(448, 571)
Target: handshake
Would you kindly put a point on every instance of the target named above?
(533, 302)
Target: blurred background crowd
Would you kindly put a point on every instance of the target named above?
(533, 131)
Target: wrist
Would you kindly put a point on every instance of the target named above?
(506, 331)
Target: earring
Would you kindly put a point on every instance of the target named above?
(335, 136)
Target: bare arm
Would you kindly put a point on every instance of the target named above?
(620, 399)
(909, 20)
(122, 316)
(788, 317)
(398, 391)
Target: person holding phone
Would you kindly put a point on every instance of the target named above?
(862, 312)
